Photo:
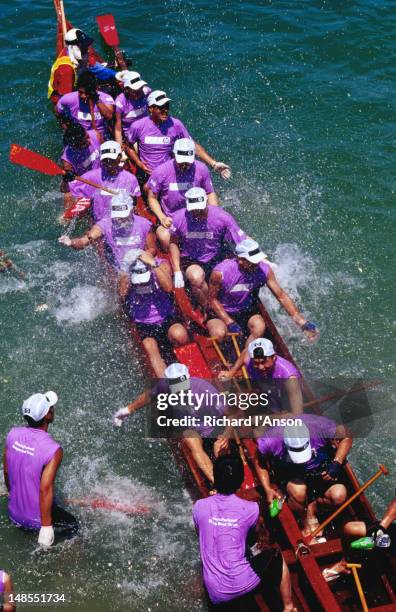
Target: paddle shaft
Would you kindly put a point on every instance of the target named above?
(108, 30)
(238, 354)
(354, 567)
(329, 519)
(63, 18)
(92, 184)
(339, 394)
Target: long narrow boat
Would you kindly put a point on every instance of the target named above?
(310, 591)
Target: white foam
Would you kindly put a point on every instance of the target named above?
(84, 303)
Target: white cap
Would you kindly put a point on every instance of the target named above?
(71, 36)
(110, 149)
(36, 406)
(140, 273)
(157, 98)
(132, 79)
(196, 198)
(264, 344)
(249, 249)
(121, 206)
(297, 441)
(178, 377)
(184, 151)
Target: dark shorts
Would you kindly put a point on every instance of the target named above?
(242, 317)
(268, 566)
(207, 267)
(316, 485)
(158, 331)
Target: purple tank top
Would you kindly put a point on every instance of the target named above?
(238, 286)
(121, 240)
(2, 587)
(83, 160)
(28, 451)
(272, 382)
(148, 303)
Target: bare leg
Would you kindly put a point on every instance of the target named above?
(256, 327)
(158, 364)
(163, 236)
(217, 329)
(285, 589)
(177, 334)
(196, 277)
(194, 443)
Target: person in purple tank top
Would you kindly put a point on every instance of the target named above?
(6, 593)
(126, 235)
(307, 458)
(169, 182)
(155, 136)
(270, 373)
(224, 524)
(234, 286)
(91, 108)
(131, 104)
(31, 461)
(175, 381)
(110, 175)
(150, 305)
(198, 238)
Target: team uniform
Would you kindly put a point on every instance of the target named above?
(85, 159)
(272, 381)
(169, 183)
(202, 240)
(121, 240)
(124, 181)
(131, 110)
(73, 107)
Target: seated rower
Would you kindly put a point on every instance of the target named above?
(234, 286)
(30, 476)
(263, 367)
(169, 182)
(131, 104)
(125, 233)
(304, 462)
(81, 154)
(175, 379)
(92, 108)
(75, 58)
(198, 235)
(155, 136)
(6, 593)
(223, 522)
(110, 175)
(150, 305)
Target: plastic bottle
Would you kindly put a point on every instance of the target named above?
(365, 543)
(275, 507)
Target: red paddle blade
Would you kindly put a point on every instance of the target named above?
(108, 30)
(248, 480)
(78, 209)
(34, 161)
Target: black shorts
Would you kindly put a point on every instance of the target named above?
(268, 565)
(316, 485)
(242, 317)
(158, 331)
(207, 267)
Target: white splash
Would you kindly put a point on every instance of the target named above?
(84, 303)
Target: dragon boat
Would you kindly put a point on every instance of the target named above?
(305, 561)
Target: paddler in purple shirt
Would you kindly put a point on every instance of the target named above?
(6, 593)
(198, 235)
(271, 373)
(224, 523)
(307, 459)
(80, 155)
(150, 305)
(110, 175)
(176, 379)
(125, 233)
(30, 462)
(234, 286)
(155, 136)
(169, 182)
(91, 108)
(131, 104)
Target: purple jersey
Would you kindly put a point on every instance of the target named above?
(72, 105)
(238, 287)
(156, 142)
(202, 239)
(131, 110)
(85, 159)
(148, 303)
(321, 430)
(121, 240)
(2, 580)
(223, 522)
(272, 381)
(28, 451)
(169, 183)
(123, 181)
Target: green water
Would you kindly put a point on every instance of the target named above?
(299, 98)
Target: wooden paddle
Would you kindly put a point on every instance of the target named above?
(35, 161)
(108, 30)
(354, 567)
